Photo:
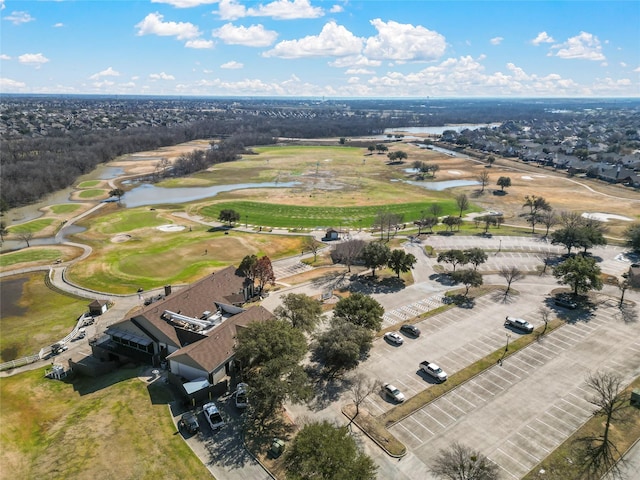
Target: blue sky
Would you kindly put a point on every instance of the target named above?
(332, 49)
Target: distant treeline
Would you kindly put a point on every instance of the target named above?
(35, 167)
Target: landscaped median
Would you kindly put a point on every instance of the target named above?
(377, 427)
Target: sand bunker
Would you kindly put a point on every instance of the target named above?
(171, 228)
(605, 217)
(454, 172)
(526, 177)
(122, 237)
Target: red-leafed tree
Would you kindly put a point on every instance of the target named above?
(263, 272)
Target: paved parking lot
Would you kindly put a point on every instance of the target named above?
(517, 413)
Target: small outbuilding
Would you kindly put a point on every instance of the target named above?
(98, 307)
(331, 234)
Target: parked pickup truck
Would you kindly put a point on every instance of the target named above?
(433, 370)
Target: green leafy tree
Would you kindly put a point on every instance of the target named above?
(341, 347)
(491, 160)
(460, 462)
(568, 236)
(229, 216)
(375, 255)
(397, 156)
(360, 309)
(454, 257)
(469, 278)
(323, 451)
(536, 206)
(371, 148)
(400, 261)
(503, 182)
(476, 257)
(580, 273)
(632, 234)
(488, 221)
(269, 355)
(301, 310)
(116, 192)
(247, 266)
(451, 221)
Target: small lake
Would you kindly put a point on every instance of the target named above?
(439, 186)
(147, 194)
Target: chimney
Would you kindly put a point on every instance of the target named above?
(618, 171)
(167, 290)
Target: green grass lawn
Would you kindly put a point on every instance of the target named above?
(89, 184)
(33, 226)
(28, 324)
(64, 208)
(116, 426)
(91, 193)
(293, 216)
(29, 255)
(125, 221)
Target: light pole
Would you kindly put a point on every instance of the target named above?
(507, 347)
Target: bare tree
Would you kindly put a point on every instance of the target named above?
(25, 236)
(548, 219)
(483, 178)
(460, 462)
(347, 252)
(313, 246)
(511, 274)
(361, 387)
(623, 285)
(544, 314)
(600, 455)
(463, 203)
(4, 231)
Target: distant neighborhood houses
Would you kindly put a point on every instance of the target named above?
(602, 150)
(192, 332)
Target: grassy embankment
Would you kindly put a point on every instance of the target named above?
(29, 325)
(114, 427)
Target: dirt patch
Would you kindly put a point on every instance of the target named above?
(170, 228)
(121, 238)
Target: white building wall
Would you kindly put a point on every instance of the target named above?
(186, 371)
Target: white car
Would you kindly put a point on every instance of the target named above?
(394, 337)
(241, 395)
(212, 414)
(393, 392)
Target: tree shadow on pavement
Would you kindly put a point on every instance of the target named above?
(332, 280)
(327, 388)
(368, 285)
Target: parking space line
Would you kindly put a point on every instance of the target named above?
(495, 375)
(371, 402)
(561, 420)
(537, 444)
(525, 451)
(445, 399)
(551, 427)
(465, 388)
(567, 413)
(527, 467)
(573, 405)
(435, 405)
(455, 392)
(488, 391)
(503, 468)
(545, 347)
(434, 418)
(411, 433)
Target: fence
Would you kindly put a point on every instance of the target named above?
(46, 351)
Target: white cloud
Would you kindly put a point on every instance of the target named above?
(404, 42)
(518, 73)
(583, 46)
(278, 9)
(334, 40)
(58, 25)
(637, 70)
(2, 5)
(623, 65)
(33, 59)
(153, 25)
(4, 57)
(161, 76)
(496, 40)
(354, 61)
(8, 85)
(543, 37)
(109, 72)
(231, 10)
(18, 18)
(253, 36)
(359, 71)
(185, 3)
(232, 65)
(336, 9)
(199, 43)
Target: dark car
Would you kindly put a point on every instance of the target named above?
(189, 421)
(411, 330)
(565, 302)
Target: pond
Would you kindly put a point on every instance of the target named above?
(147, 194)
(439, 186)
